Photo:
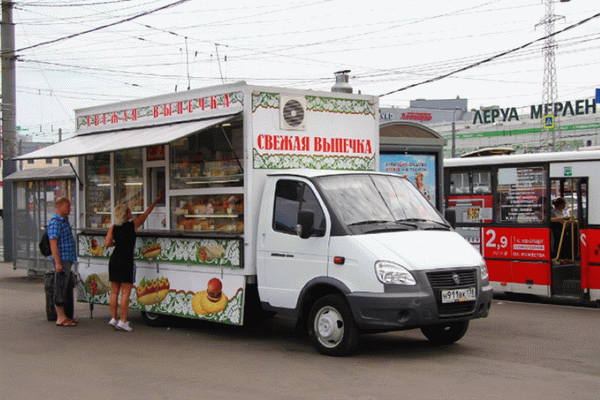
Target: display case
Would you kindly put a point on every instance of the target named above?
(97, 196)
(129, 180)
(208, 159)
(223, 212)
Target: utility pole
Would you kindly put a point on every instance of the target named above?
(454, 131)
(9, 122)
(550, 91)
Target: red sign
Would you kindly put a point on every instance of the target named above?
(154, 111)
(155, 153)
(319, 144)
(417, 116)
(516, 243)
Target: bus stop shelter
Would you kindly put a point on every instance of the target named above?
(416, 152)
(35, 191)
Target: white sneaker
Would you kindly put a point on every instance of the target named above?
(113, 322)
(124, 326)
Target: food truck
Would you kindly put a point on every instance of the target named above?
(273, 205)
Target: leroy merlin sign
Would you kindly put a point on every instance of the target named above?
(569, 108)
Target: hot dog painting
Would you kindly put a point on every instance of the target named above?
(151, 250)
(152, 291)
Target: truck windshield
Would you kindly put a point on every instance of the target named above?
(379, 199)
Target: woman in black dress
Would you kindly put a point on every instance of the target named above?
(122, 235)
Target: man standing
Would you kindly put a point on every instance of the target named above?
(64, 255)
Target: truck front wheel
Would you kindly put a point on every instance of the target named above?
(445, 333)
(331, 327)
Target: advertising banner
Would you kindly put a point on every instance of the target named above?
(418, 168)
(517, 244)
(319, 133)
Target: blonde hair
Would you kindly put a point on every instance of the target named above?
(121, 214)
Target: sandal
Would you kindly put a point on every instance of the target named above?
(68, 323)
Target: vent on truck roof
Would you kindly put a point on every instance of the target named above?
(292, 113)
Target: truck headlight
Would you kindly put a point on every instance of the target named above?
(484, 271)
(393, 274)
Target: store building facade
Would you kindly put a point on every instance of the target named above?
(572, 124)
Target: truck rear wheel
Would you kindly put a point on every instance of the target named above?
(445, 333)
(331, 326)
(153, 319)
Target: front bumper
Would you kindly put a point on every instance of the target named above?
(406, 307)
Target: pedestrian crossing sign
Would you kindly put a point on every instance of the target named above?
(548, 121)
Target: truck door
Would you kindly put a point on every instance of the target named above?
(289, 261)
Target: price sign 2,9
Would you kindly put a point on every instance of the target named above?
(516, 243)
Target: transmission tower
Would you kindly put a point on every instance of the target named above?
(552, 138)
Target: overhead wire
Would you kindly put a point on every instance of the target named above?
(275, 54)
(73, 4)
(104, 26)
(489, 59)
(270, 53)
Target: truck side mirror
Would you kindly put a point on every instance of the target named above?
(306, 219)
(450, 216)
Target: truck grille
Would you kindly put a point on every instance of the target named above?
(444, 280)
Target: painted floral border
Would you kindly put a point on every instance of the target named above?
(174, 250)
(292, 161)
(317, 104)
(177, 303)
(342, 106)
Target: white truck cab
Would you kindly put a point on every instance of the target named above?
(352, 252)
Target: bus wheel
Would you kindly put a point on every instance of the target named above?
(331, 327)
(154, 319)
(445, 333)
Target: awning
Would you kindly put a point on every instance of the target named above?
(123, 139)
(42, 174)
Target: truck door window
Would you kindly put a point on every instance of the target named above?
(310, 202)
(291, 197)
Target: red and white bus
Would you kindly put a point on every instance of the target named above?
(504, 208)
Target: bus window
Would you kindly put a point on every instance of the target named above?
(572, 190)
(582, 203)
(459, 183)
(521, 195)
(476, 182)
(567, 221)
(482, 182)
(471, 196)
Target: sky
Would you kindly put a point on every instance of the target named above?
(81, 53)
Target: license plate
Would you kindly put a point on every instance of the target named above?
(458, 295)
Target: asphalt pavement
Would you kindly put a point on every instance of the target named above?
(521, 351)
